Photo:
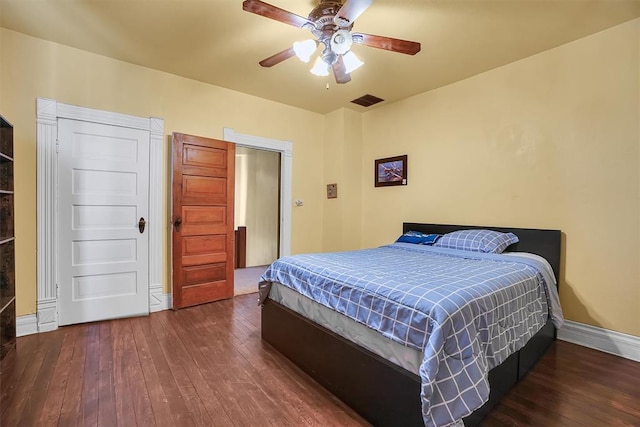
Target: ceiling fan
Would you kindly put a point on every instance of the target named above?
(331, 22)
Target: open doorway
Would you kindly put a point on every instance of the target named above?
(257, 215)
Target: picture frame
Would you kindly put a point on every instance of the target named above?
(390, 171)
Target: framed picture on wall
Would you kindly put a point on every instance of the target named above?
(391, 171)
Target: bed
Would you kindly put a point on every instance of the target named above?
(385, 385)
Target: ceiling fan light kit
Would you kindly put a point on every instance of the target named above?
(331, 22)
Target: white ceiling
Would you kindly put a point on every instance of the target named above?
(215, 41)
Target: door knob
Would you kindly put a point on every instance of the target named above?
(178, 223)
(141, 225)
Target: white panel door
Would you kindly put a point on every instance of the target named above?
(103, 189)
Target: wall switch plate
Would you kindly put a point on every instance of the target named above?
(332, 191)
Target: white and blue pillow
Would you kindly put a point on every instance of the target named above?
(418, 238)
(487, 241)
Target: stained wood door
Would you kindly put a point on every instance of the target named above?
(103, 199)
(203, 234)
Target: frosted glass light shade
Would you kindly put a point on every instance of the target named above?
(320, 68)
(351, 62)
(305, 49)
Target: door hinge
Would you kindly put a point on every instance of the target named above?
(57, 146)
(57, 291)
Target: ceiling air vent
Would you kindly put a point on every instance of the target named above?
(367, 100)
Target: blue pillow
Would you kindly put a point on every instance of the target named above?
(487, 241)
(418, 238)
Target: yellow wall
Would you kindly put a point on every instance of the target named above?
(34, 68)
(332, 209)
(551, 141)
(343, 160)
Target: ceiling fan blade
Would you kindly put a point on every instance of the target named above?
(277, 58)
(350, 11)
(387, 43)
(269, 11)
(340, 71)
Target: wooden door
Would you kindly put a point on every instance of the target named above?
(202, 216)
(103, 202)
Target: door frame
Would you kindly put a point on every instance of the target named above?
(48, 113)
(285, 148)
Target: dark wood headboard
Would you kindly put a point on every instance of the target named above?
(545, 243)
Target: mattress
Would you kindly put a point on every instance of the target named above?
(396, 353)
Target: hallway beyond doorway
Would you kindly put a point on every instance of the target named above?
(246, 279)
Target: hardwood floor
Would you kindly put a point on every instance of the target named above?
(207, 366)
(573, 386)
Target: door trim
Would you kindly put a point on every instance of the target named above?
(285, 148)
(48, 113)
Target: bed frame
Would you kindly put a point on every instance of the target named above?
(383, 393)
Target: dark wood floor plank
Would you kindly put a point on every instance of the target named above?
(230, 379)
(203, 405)
(246, 308)
(18, 398)
(33, 405)
(132, 385)
(13, 368)
(52, 406)
(591, 371)
(241, 335)
(574, 386)
(207, 366)
(15, 363)
(179, 412)
(587, 409)
(138, 389)
(91, 377)
(125, 413)
(159, 401)
(185, 387)
(106, 384)
(70, 413)
(300, 397)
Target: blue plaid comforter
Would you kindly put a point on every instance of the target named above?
(466, 311)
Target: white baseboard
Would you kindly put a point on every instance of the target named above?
(623, 345)
(26, 325)
(161, 301)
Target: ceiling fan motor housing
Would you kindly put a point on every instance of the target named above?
(324, 18)
(326, 8)
(333, 33)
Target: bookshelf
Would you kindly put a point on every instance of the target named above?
(7, 242)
